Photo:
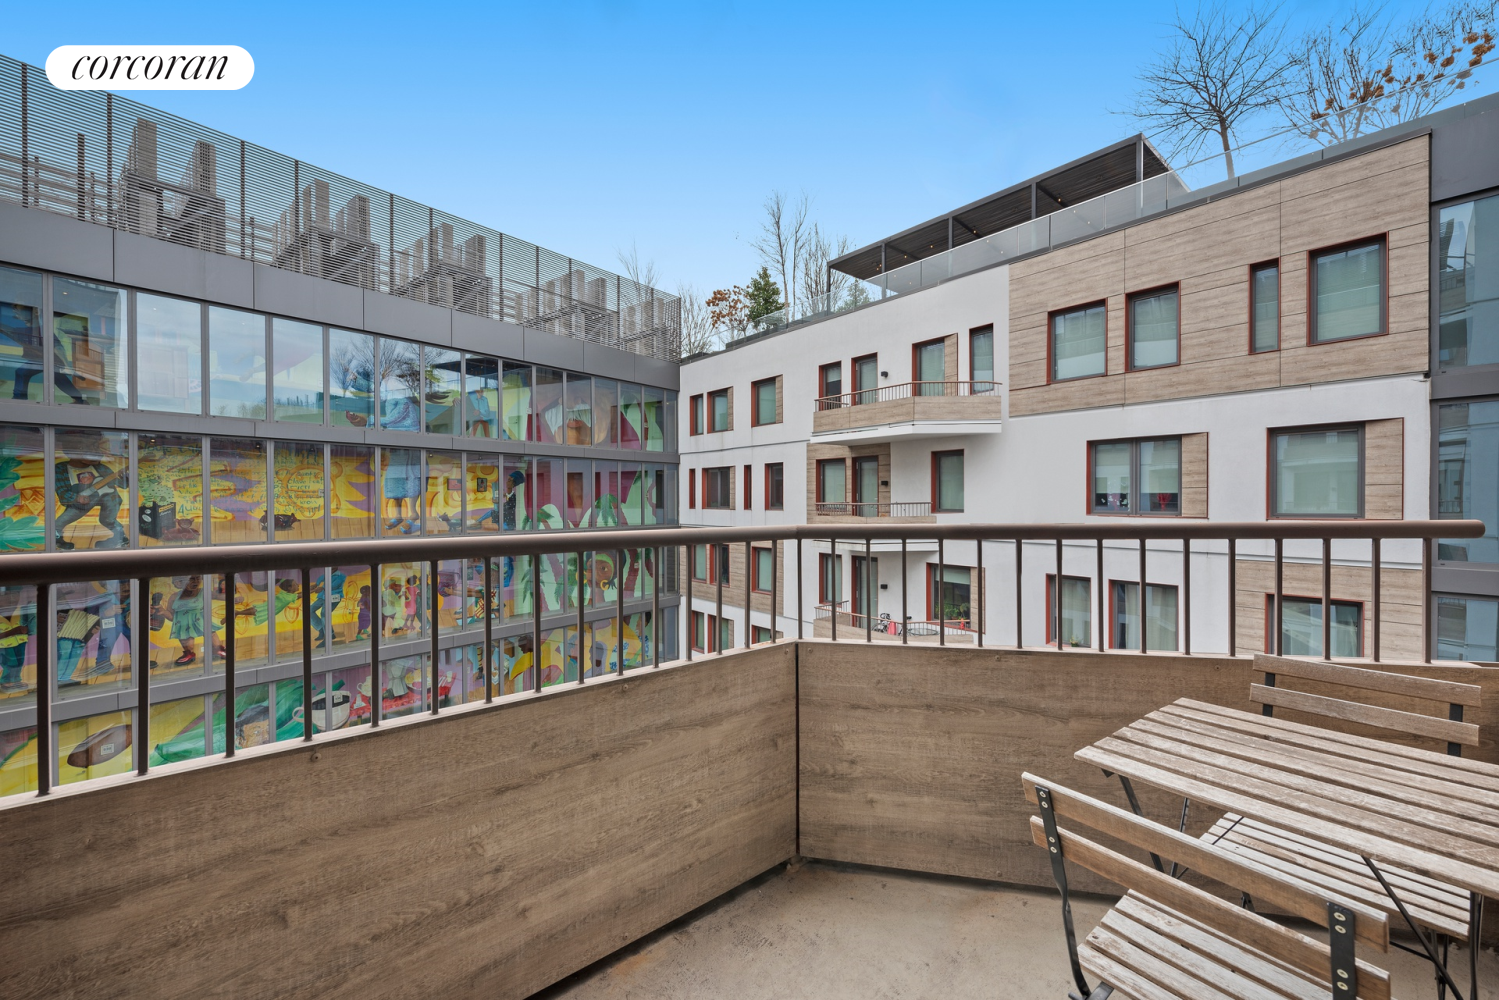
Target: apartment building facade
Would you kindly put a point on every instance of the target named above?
(175, 373)
(1312, 340)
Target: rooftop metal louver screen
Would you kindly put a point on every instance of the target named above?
(112, 161)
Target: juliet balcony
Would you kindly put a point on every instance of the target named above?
(908, 410)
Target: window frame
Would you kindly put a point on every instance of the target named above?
(1255, 269)
(1090, 508)
(1051, 341)
(781, 476)
(1272, 478)
(758, 585)
(727, 487)
(1270, 616)
(1129, 327)
(1382, 239)
(695, 415)
(758, 419)
(937, 456)
(824, 559)
(988, 330)
(1114, 615)
(692, 489)
(932, 593)
(822, 464)
(709, 410)
(1051, 608)
(822, 380)
(747, 492)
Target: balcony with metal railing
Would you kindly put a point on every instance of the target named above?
(908, 410)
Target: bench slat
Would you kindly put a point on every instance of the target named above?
(1197, 980)
(1428, 688)
(1465, 733)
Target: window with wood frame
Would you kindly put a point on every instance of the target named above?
(1317, 472)
(1153, 328)
(775, 486)
(866, 378)
(1138, 476)
(719, 416)
(1077, 345)
(1077, 610)
(929, 367)
(692, 489)
(710, 559)
(954, 591)
(718, 488)
(830, 383)
(1347, 295)
(1264, 307)
(695, 415)
(829, 578)
(710, 633)
(947, 481)
(748, 493)
(1124, 616)
(763, 400)
(1301, 626)
(832, 481)
(981, 360)
(764, 569)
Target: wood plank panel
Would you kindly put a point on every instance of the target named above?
(1400, 602)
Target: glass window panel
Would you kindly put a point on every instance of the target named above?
(286, 699)
(764, 573)
(1160, 476)
(1468, 278)
(351, 491)
(775, 479)
(654, 405)
(514, 575)
(481, 392)
(1301, 627)
(548, 494)
(401, 489)
(632, 493)
(21, 348)
(442, 373)
(931, 369)
(605, 412)
(718, 415)
(516, 662)
(93, 747)
(579, 409)
(400, 386)
(484, 487)
(669, 419)
(237, 491)
(982, 345)
(1348, 296)
(1264, 288)
(831, 487)
(950, 481)
(1468, 477)
(92, 655)
(236, 363)
(169, 352)
(449, 596)
(473, 591)
(1153, 329)
(605, 575)
(177, 730)
(631, 417)
(297, 371)
(1317, 473)
(169, 479)
(765, 401)
(402, 608)
(351, 370)
(91, 484)
(1077, 610)
(351, 598)
(1077, 343)
(1467, 629)
(954, 590)
(351, 699)
(250, 722)
(252, 616)
(579, 493)
(289, 612)
(1160, 616)
(177, 608)
(444, 492)
(516, 402)
(298, 491)
(608, 500)
(403, 686)
(549, 424)
(1112, 477)
(513, 496)
(23, 489)
(88, 342)
(17, 645)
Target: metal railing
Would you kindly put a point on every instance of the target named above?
(906, 390)
(918, 508)
(883, 626)
(112, 161)
(45, 569)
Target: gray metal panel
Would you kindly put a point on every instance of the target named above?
(553, 351)
(398, 317)
(1465, 580)
(298, 296)
(1465, 156)
(488, 336)
(156, 265)
(609, 362)
(35, 238)
(1456, 384)
(661, 374)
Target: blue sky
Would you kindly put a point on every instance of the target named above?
(587, 126)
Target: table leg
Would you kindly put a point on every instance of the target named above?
(1443, 978)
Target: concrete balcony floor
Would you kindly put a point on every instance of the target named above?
(845, 932)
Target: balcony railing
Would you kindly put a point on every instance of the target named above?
(1267, 541)
(906, 390)
(885, 628)
(105, 159)
(919, 508)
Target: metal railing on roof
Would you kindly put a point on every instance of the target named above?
(905, 390)
(109, 160)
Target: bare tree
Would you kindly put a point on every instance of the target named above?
(816, 280)
(1366, 74)
(781, 243)
(698, 332)
(1222, 68)
(642, 272)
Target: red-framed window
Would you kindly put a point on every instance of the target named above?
(695, 415)
(764, 568)
(829, 578)
(747, 491)
(692, 489)
(775, 486)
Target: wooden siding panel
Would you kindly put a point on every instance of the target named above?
(1400, 602)
(1384, 469)
(1194, 484)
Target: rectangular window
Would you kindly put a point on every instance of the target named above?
(236, 363)
(169, 480)
(579, 410)
(297, 491)
(90, 364)
(830, 379)
(981, 359)
(764, 569)
(947, 480)
(829, 578)
(442, 390)
(21, 346)
(1301, 626)
(1077, 610)
(700, 562)
(1142, 476)
(1348, 293)
(169, 354)
(747, 489)
(1264, 307)
(866, 378)
(716, 487)
(1154, 330)
(1468, 477)
(1317, 473)
(515, 400)
(706, 559)
(631, 417)
(297, 372)
(23, 489)
(831, 487)
(954, 593)
(351, 381)
(1467, 628)
(775, 486)
(1467, 259)
(1160, 616)
(718, 410)
(763, 396)
(1078, 342)
(481, 396)
(762, 634)
(605, 413)
(866, 486)
(549, 420)
(695, 415)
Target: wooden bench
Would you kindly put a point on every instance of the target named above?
(1167, 940)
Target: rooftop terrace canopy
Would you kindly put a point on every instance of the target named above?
(1120, 165)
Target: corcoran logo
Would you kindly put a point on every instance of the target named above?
(149, 67)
